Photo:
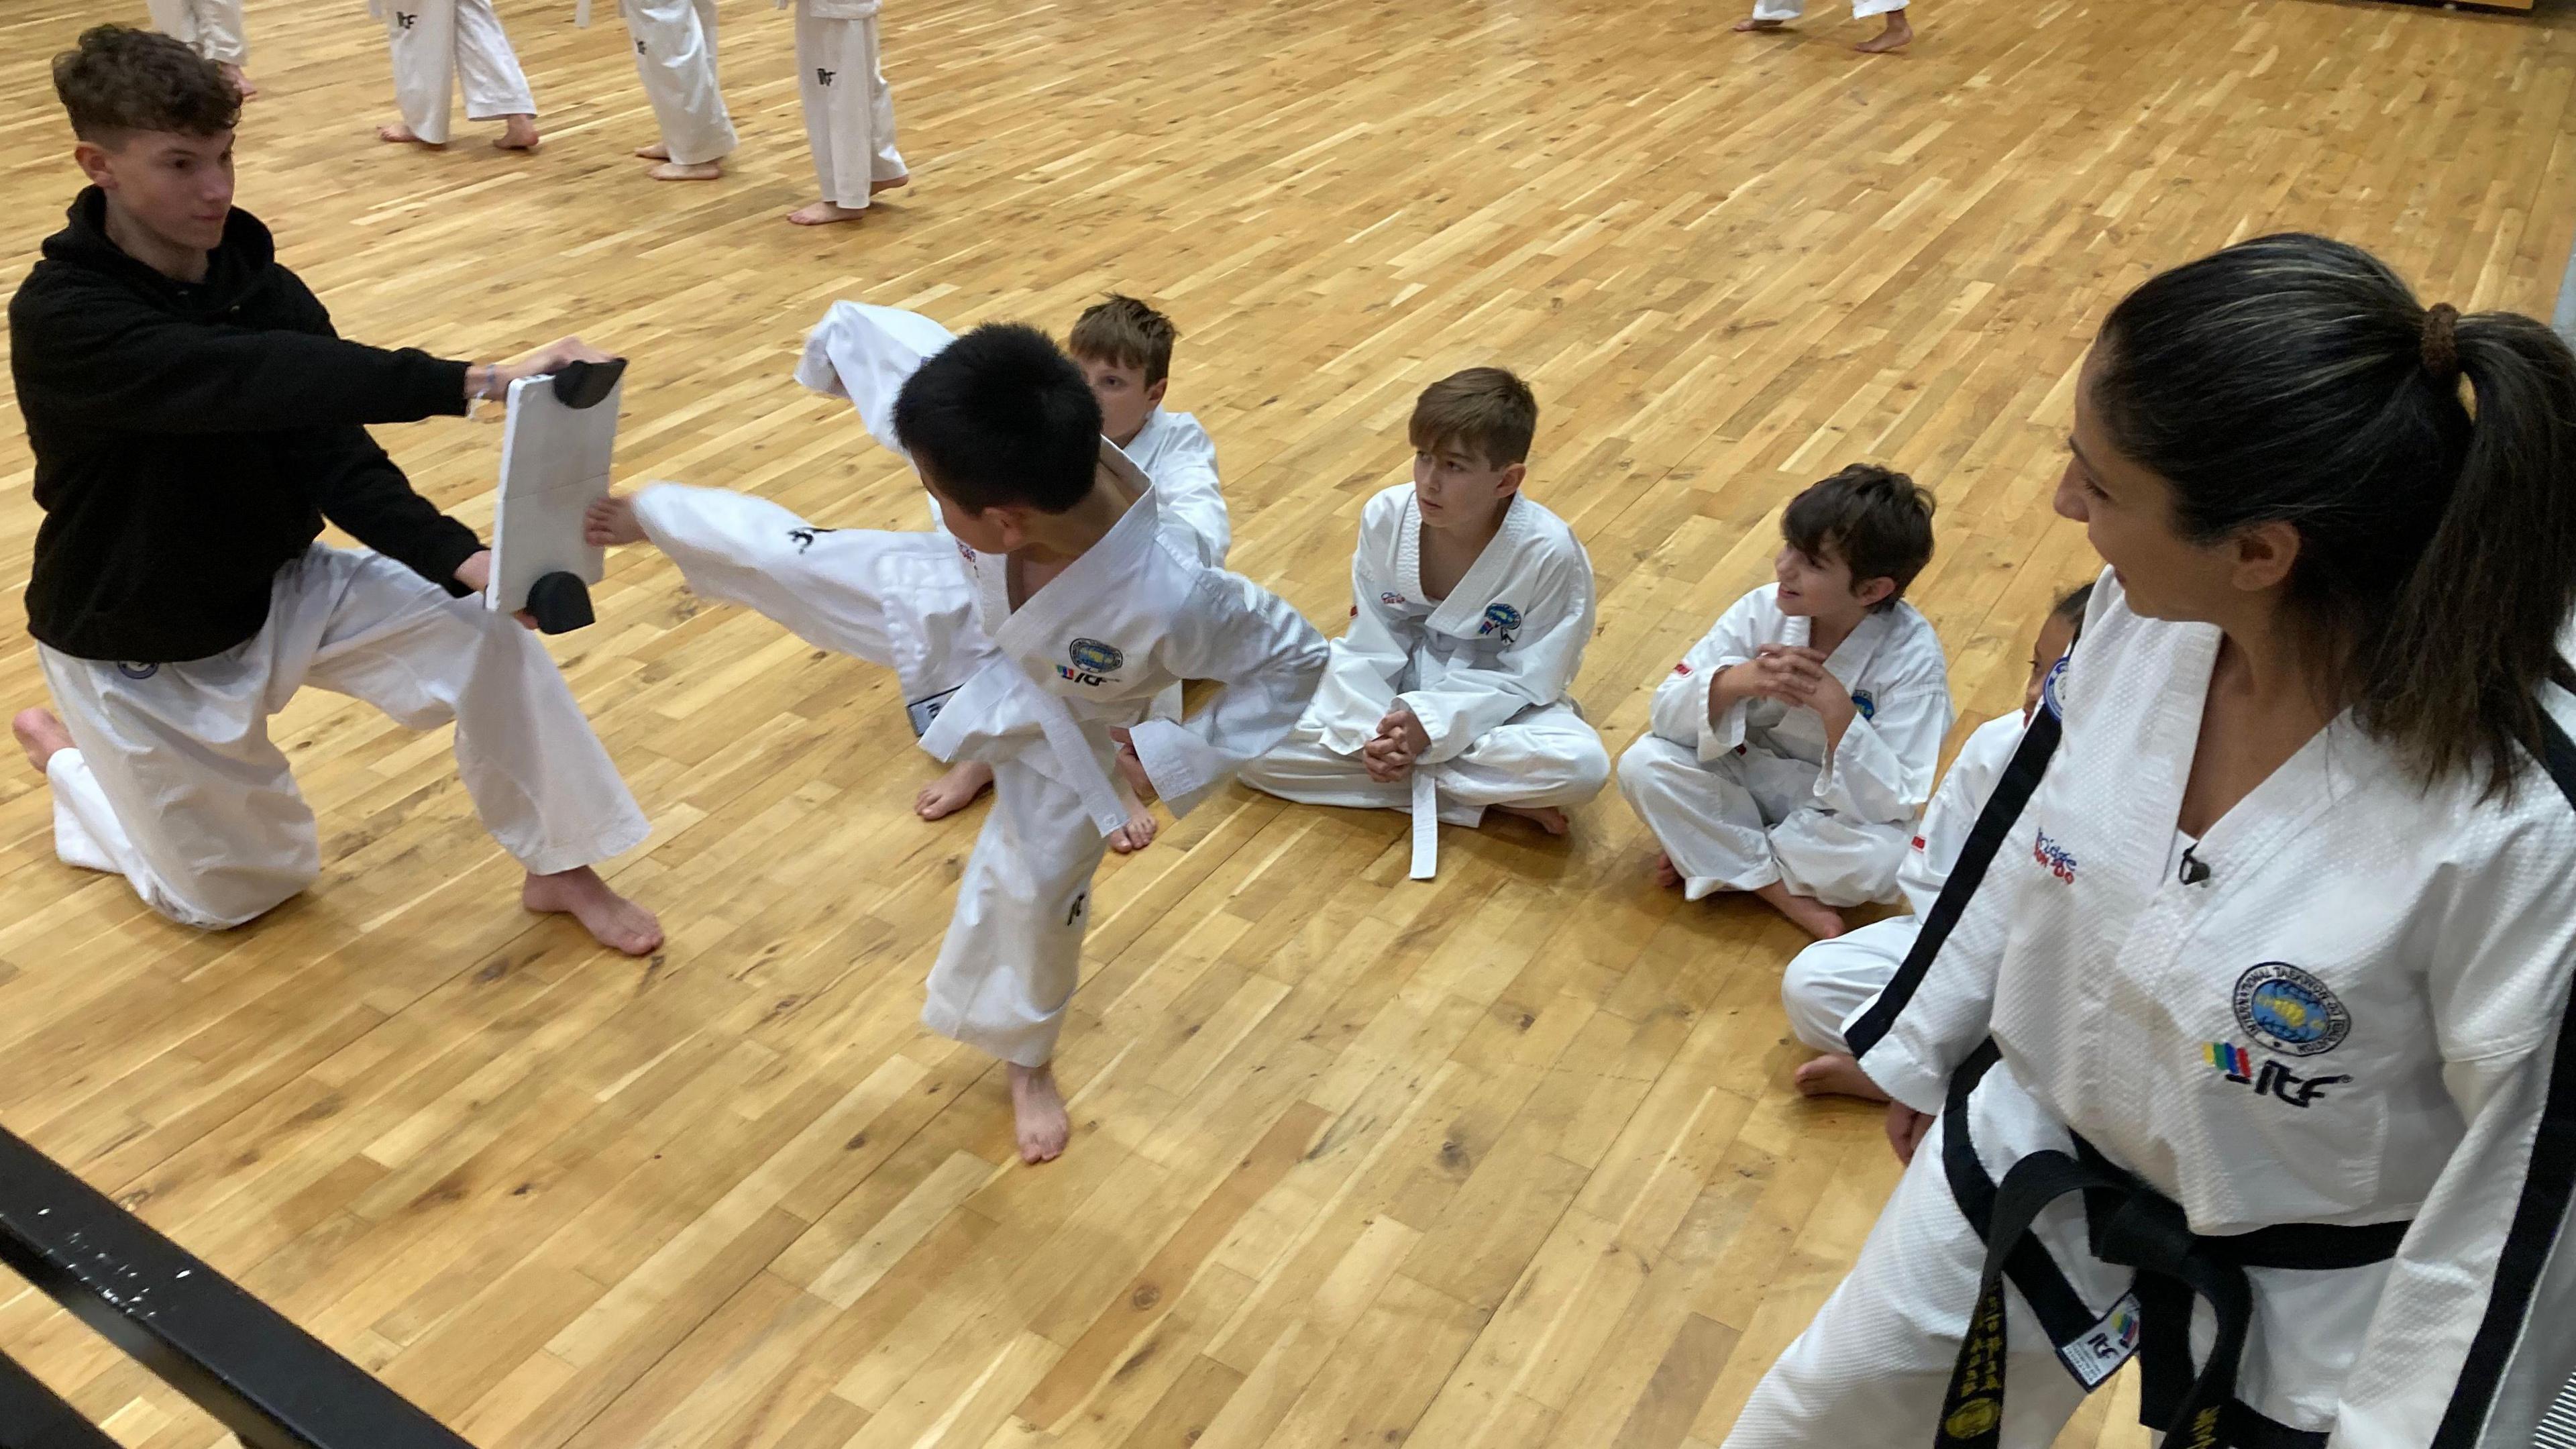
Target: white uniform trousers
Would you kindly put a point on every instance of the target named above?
(174, 783)
(1013, 953)
(675, 56)
(438, 43)
(211, 28)
(849, 111)
(1792, 9)
(1747, 819)
(1829, 980)
(1545, 755)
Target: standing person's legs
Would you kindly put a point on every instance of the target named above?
(422, 36)
(675, 58)
(1013, 954)
(495, 88)
(886, 168)
(836, 67)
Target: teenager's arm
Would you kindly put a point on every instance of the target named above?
(94, 355)
(357, 487)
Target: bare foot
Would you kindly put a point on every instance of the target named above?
(1037, 1112)
(655, 152)
(824, 213)
(687, 171)
(1898, 34)
(241, 82)
(1667, 874)
(518, 133)
(41, 734)
(1836, 1075)
(400, 133)
(1546, 817)
(612, 920)
(1809, 914)
(1137, 833)
(953, 791)
(874, 187)
(1748, 26)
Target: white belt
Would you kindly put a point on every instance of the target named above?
(1426, 821)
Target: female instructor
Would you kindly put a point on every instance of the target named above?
(2237, 1043)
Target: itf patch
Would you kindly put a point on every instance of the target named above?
(2290, 1011)
(1500, 619)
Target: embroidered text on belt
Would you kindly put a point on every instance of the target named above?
(2131, 1225)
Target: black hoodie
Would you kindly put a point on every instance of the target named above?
(191, 438)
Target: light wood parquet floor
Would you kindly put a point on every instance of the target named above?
(1507, 1159)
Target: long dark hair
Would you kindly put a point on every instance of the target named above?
(2296, 379)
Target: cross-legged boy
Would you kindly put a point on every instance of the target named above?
(1831, 980)
(1470, 606)
(1125, 350)
(1032, 635)
(1794, 745)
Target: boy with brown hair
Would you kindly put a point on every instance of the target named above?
(1470, 606)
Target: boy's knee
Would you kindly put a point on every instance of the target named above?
(1588, 767)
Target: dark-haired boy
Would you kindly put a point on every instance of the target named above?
(1793, 746)
(1450, 693)
(1033, 635)
(195, 420)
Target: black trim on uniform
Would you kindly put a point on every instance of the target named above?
(2548, 1185)
(2012, 792)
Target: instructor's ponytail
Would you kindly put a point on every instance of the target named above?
(2296, 379)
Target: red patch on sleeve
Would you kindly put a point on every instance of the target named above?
(1682, 668)
(1355, 611)
(1918, 842)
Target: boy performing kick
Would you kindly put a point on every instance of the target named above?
(1034, 635)
(194, 421)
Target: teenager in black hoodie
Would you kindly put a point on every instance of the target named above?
(195, 420)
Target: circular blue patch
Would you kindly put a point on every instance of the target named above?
(1094, 657)
(1501, 617)
(2048, 687)
(2290, 1011)
(1867, 706)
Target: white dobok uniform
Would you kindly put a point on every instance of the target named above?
(1831, 980)
(1489, 671)
(1755, 796)
(174, 783)
(1792, 9)
(2307, 1088)
(865, 353)
(211, 28)
(849, 109)
(1033, 692)
(675, 57)
(438, 44)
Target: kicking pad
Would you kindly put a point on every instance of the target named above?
(555, 455)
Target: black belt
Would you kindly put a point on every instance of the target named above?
(2130, 1225)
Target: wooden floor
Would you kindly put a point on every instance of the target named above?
(1506, 1159)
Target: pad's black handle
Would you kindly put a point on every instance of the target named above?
(587, 385)
(560, 602)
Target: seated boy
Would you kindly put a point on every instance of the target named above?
(1831, 980)
(1033, 636)
(1794, 745)
(1125, 350)
(1470, 607)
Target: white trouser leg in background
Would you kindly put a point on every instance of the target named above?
(422, 34)
(1013, 953)
(211, 28)
(849, 111)
(1871, 1371)
(1546, 755)
(488, 67)
(1792, 9)
(675, 56)
(1829, 980)
(1703, 815)
(174, 783)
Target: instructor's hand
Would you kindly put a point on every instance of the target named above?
(547, 359)
(1905, 1129)
(476, 574)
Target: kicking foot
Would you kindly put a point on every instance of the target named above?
(1809, 914)
(687, 171)
(655, 152)
(953, 791)
(1836, 1075)
(41, 734)
(401, 134)
(241, 83)
(824, 213)
(612, 920)
(1898, 34)
(518, 133)
(1667, 874)
(875, 187)
(1746, 27)
(1037, 1114)
(1547, 818)
(1137, 833)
